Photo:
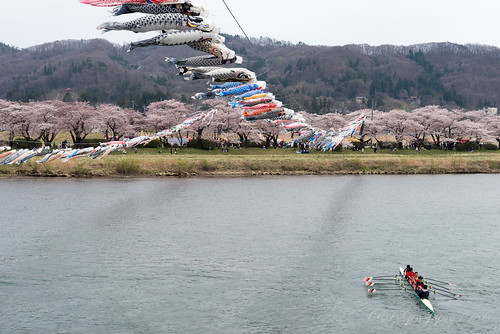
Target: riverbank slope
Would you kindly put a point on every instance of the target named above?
(248, 162)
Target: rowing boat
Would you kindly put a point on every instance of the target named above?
(424, 302)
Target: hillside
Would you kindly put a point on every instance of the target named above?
(315, 78)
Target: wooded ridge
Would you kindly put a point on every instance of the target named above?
(318, 79)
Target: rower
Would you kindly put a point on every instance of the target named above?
(414, 279)
(407, 268)
(423, 293)
(410, 273)
(418, 282)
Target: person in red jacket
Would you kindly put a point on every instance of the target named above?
(407, 268)
(410, 273)
(417, 282)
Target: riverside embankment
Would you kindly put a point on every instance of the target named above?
(248, 162)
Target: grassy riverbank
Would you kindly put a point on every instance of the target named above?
(247, 162)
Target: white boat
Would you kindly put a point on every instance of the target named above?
(424, 302)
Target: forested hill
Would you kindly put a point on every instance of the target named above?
(314, 78)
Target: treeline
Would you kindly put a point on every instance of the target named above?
(431, 125)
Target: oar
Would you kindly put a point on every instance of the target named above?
(442, 294)
(382, 283)
(370, 278)
(385, 289)
(446, 292)
(436, 285)
(381, 279)
(435, 280)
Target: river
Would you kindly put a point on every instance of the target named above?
(246, 255)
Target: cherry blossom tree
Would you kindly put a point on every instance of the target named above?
(49, 115)
(438, 121)
(270, 131)
(374, 127)
(426, 121)
(38, 120)
(46, 119)
(494, 128)
(79, 119)
(333, 121)
(315, 120)
(7, 119)
(492, 124)
(416, 132)
(469, 130)
(117, 122)
(165, 114)
(227, 119)
(476, 116)
(246, 131)
(452, 127)
(397, 123)
(24, 121)
(223, 120)
(198, 128)
(488, 122)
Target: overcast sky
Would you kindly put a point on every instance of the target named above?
(321, 22)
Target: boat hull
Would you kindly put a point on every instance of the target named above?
(427, 304)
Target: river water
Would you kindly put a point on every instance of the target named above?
(246, 255)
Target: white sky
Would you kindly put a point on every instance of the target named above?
(321, 22)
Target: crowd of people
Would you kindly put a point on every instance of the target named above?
(417, 282)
